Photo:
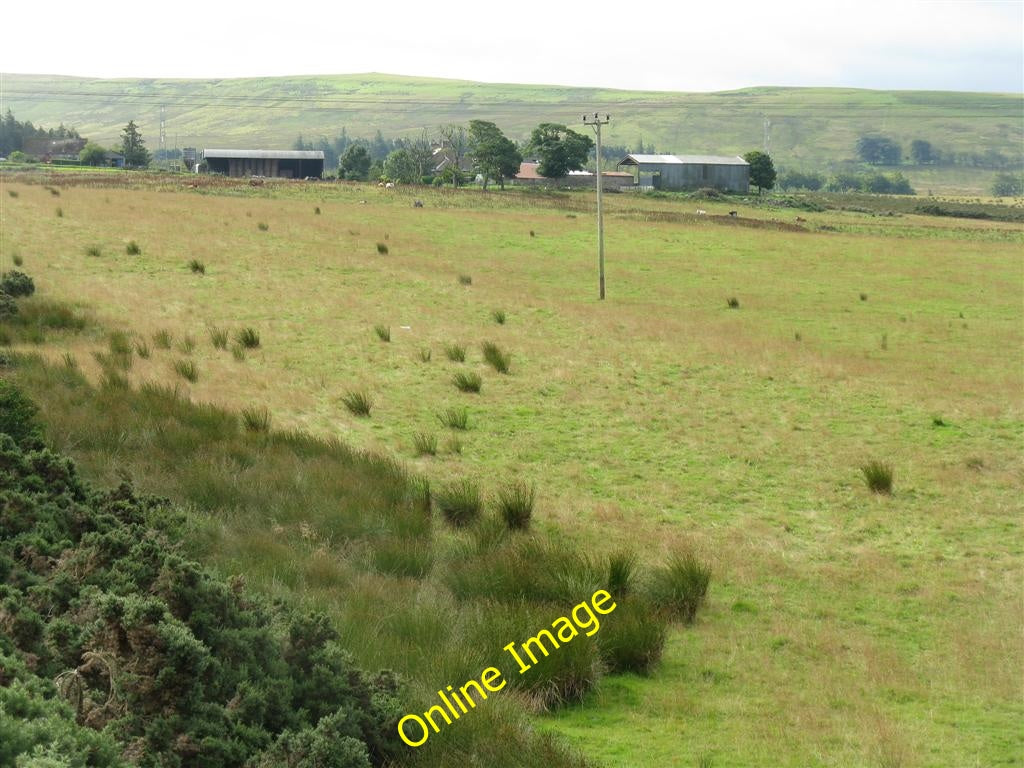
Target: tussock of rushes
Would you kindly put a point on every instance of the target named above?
(499, 316)
(680, 586)
(455, 418)
(467, 382)
(197, 267)
(162, 339)
(878, 476)
(358, 402)
(187, 370)
(459, 503)
(218, 337)
(515, 504)
(499, 360)
(383, 332)
(455, 352)
(382, 249)
(425, 444)
(133, 248)
(256, 419)
(465, 280)
(248, 338)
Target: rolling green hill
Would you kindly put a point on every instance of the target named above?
(810, 128)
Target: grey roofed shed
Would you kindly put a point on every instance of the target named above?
(678, 172)
(284, 163)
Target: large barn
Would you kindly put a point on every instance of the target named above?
(285, 164)
(678, 172)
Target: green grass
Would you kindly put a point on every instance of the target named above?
(869, 624)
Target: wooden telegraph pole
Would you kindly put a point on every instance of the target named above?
(596, 122)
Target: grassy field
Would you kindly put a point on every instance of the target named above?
(811, 128)
(844, 628)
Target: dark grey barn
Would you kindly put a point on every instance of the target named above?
(677, 172)
(286, 164)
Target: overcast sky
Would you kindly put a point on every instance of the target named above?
(975, 45)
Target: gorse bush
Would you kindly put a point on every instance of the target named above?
(248, 338)
(878, 476)
(358, 402)
(17, 284)
(680, 586)
(455, 418)
(498, 359)
(187, 370)
(455, 352)
(459, 503)
(467, 382)
(515, 505)
(383, 332)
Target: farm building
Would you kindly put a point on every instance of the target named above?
(730, 174)
(285, 164)
(611, 181)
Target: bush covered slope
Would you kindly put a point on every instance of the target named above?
(114, 648)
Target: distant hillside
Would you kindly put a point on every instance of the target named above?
(808, 128)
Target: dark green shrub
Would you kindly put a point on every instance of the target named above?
(459, 502)
(515, 505)
(878, 477)
(455, 352)
(455, 418)
(680, 586)
(498, 359)
(17, 284)
(358, 402)
(467, 382)
(248, 338)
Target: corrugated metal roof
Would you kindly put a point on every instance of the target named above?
(681, 160)
(265, 154)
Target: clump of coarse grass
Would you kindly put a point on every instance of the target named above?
(142, 348)
(358, 402)
(162, 339)
(878, 476)
(863, 297)
(425, 444)
(680, 586)
(515, 505)
(467, 382)
(494, 355)
(133, 248)
(425, 355)
(218, 337)
(732, 302)
(465, 280)
(632, 639)
(262, 226)
(94, 251)
(197, 267)
(454, 418)
(249, 338)
(382, 249)
(187, 345)
(18, 261)
(60, 212)
(622, 566)
(499, 316)
(256, 419)
(459, 502)
(455, 352)
(187, 370)
(238, 352)
(383, 332)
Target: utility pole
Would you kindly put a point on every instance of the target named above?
(596, 122)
